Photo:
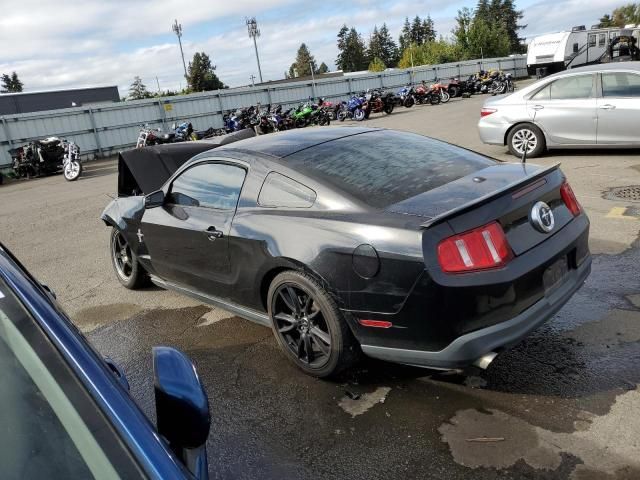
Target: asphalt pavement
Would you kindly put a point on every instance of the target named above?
(563, 404)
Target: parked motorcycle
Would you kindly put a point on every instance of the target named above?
(376, 101)
(352, 109)
(440, 89)
(406, 96)
(424, 94)
(71, 165)
(47, 156)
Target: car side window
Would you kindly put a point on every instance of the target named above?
(623, 85)
(569, 88)
(542, 94)
(281, 191)
(212, 185)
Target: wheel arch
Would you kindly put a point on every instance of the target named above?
(525, 122)
(286, 264)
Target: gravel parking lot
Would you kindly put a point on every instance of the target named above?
(563, 404)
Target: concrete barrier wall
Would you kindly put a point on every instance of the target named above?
(103, 130)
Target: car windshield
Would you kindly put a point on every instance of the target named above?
(382, 168)
(49, 427)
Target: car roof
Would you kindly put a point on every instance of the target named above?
(283, 144)
(601, 67)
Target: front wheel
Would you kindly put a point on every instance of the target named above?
(388, 108)
(309, 326)
(408, 102)
(434, 100)
(444, 96)
(359, 115)
(454, 91)
(128, 270)
(529, 136)
(72, 170)
(342, 115)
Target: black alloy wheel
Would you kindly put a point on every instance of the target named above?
(309, 326)
(128, 270)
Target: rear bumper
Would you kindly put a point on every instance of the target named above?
(492, 133)
(466, 349)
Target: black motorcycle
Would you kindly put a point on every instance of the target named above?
(45, 157)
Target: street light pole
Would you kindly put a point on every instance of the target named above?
(254, 32)
(177, 29)
(313, 80)
(252, 77)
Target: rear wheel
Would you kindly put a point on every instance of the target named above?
(454, 91)
(128, 270)
(526, 135)
(308, 325)
(388, 108)
(435, 99)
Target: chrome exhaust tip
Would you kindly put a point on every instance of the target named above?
(485, 360)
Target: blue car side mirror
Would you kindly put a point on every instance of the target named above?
(182, 408)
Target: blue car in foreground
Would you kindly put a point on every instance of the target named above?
(66, 411)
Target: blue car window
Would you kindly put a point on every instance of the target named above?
(212, 185)
(50, 426)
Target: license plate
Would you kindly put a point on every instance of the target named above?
(553, 275)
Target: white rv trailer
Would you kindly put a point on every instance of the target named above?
(554, 52)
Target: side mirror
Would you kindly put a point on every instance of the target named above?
(182, 408)
(154, 199)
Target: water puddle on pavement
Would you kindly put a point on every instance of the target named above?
(90, 318)
(607, 444)
(362, 403)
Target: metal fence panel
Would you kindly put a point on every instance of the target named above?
(103, 130)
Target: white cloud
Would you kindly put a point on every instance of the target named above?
(95, 42)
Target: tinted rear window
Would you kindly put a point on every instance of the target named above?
(385, 167)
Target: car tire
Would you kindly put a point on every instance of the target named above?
(529, 131)
(308, 325)
(128, 270)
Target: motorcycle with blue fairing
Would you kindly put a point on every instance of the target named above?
(352, 109)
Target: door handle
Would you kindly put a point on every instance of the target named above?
(607, 106)
(213, 234)
(538, 107)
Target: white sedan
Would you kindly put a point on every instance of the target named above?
(594, 106)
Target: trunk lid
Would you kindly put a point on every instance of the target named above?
(504, 192)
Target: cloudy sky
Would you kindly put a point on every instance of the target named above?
(55, 44)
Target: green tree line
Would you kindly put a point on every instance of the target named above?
(490, 30)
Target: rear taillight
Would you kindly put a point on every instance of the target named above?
(569, 199)
(487, 111)
(479, 249)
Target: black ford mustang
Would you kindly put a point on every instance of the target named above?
(353, 239)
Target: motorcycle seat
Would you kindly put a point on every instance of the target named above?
(48, 142)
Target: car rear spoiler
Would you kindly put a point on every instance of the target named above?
(484, 198)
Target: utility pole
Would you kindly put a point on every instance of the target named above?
(252, 77)
(254, 32)
(177, 29)
(313, 80)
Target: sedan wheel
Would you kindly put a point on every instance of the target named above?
(128, 270)
(309, 326)
(528, 136)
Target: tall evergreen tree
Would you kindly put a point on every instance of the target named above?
(323, 68)
(351, 51)
(376, 65)
(417, 32)
(509, 18)
(11, 83)
(201, 74)
(138, 90)
(428, 29)
(382, 46)
(405, 35)
(606, 21)
(461, 30)
(303, 64)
